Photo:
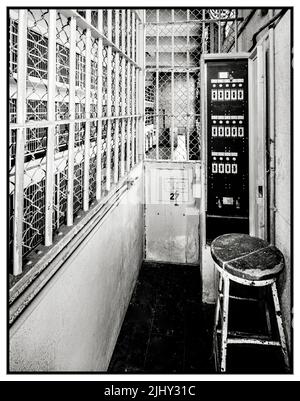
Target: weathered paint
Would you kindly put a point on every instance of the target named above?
(73, 324)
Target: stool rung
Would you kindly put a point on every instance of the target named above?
(256, 341)
(240, 298)
(238, 337)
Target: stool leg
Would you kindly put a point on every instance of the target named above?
(226, 284)
(280, 327)
(217, 315)
(267, 310)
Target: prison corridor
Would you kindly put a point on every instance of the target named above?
(136, 139)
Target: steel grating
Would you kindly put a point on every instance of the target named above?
(175, 41)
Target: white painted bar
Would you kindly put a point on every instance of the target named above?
(86, 173)
(133, 91)
(133, 127)
(132, 36)
(188, 91)
(20, 143)
(51, 129)
(117, 99)
(82, 23)
(72, 123)
(141, 88)
(123, 94)
(157, 85)
(128, 119)
(127, 94)
(109, 83)
(99, 110)
(203, 32)
(172, 90)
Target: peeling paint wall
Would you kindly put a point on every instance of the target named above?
(73, 324)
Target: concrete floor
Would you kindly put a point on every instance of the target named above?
(168, 330)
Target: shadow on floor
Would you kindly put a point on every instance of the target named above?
(168, 330)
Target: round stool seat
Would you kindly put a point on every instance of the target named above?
(247, 257)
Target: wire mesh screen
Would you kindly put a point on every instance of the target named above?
(112, 148)
(104, 81)
(35, 138)
(65, 125)
(175, 41)
(93, 161)
(103, 154)
(94, 78)
(61, 176)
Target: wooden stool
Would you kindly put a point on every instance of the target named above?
(248, 261)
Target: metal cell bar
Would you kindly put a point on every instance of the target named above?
(203, 31)
(128, 119)
(198, 21)
(117, 83)
(132, 36)
(72, 69)
(141, 89)
(82, 23)
(188, 90)
(109, 87)
(128, 95)
(219, 37)
(51, 129)
(86, 174)
(157, 86)
(132, 111)
(99, 109)
(123, 94)
(133, 126)
(236, 31)
(172, 89)
(20, 143)
(128, 32)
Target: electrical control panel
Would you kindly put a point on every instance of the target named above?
(227, 146)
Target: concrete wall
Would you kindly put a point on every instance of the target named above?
(73, 324)
(282, 142)
(283, 161)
